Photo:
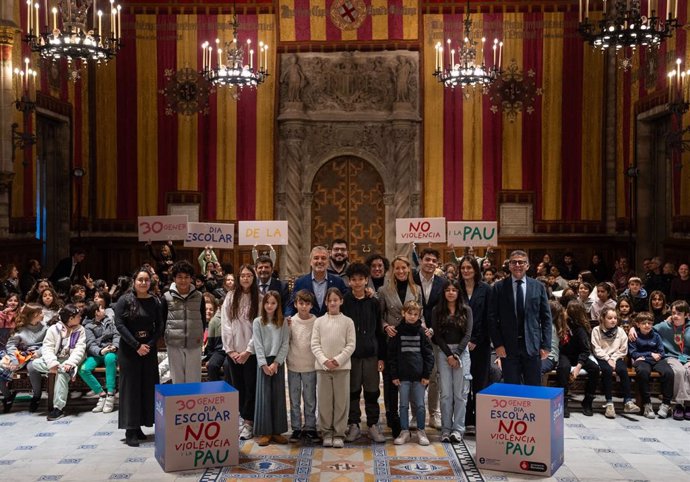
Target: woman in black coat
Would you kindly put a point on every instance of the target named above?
(140, 322)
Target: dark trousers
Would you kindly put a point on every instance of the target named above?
(244, 380)
(563, 375)
(644, 369)
(480, 359)
(607, 379)
(520, 368)
(390, 399)
(217, 365)
(364, 374)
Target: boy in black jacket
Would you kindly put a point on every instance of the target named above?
(370, 353)
(410, 360)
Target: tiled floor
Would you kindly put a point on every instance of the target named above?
(88, 447)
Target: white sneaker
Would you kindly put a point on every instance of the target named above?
(247, 432)
(663, 410)
(422, 439)
(375, 434)
(109, 403)
(338, 443)
(436, 421)
(353, 432)
(630, 407)
(99, 405)
(610, 411)
(649, 411)
(455, 437)
(403, 438)
(327, 440)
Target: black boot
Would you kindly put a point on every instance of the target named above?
(7, 403)
(131, 437)
(587, 406)
(33, 404)
(140, 435)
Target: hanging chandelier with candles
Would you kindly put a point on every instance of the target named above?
(469, 69)
(678, 138)
(229, 69)
(67, 33)
(626, 26)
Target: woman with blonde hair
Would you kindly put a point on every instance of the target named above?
(398, 289)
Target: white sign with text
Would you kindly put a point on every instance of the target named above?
(162, 228)
(417, 230)
(473, 233)
(200, 235)
(263, 232)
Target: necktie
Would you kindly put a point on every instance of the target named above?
(520, 308)
(264, 288)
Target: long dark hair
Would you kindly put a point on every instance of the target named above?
(475, 265)
(238, 292)
(577, 315)
(458, 320)
(130, 295)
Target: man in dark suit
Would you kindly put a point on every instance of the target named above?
(318, 282)
(432, 291)
(520, 323)
(69, 268)
(264, 271)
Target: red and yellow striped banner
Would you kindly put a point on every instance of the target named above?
(347, 20)
(554, 151)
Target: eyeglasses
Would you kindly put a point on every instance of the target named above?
(517, 262)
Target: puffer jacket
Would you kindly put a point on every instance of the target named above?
(61, 346)
(100, 334)
(185, 318)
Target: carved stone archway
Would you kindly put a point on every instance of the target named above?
(358, 104)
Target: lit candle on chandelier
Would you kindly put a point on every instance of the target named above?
(28, 17)
(100, 23)
(495, 47)
(481, 62)
(38, 29)
(500, 55)
(670, 85)
(449, 49)
(119, 22)
(113, 12)
(251, 52)
(55, 18)
(26, 77)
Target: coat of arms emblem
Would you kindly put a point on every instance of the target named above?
(348, 14)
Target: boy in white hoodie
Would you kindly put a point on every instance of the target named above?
(64, 348)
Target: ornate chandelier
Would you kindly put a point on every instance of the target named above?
(230, 69)
(469, 69)
(69, 35)
(625, 27)
(678, 138)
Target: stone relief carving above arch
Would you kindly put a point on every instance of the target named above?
(350, 81)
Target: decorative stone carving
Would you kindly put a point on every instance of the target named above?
(349, 81)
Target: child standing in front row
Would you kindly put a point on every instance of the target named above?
(610, 345)
(301, 372)
(271, 337)
(333, 342)
(410, 361)
(647, 353)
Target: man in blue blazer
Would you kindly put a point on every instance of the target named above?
(318, 282)
(520, 323)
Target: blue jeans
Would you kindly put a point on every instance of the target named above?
(412, 391)
(455, 386)
(302, 386)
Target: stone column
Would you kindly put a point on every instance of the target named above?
(7, 32)
(610, 147)
(290, 191)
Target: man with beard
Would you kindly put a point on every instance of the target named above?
(338, 261)
(264, 271)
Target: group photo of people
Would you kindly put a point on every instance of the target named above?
(391, 350)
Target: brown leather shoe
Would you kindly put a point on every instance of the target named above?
(264, 440)
(279, 439)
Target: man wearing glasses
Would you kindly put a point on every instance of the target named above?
(520, 323)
